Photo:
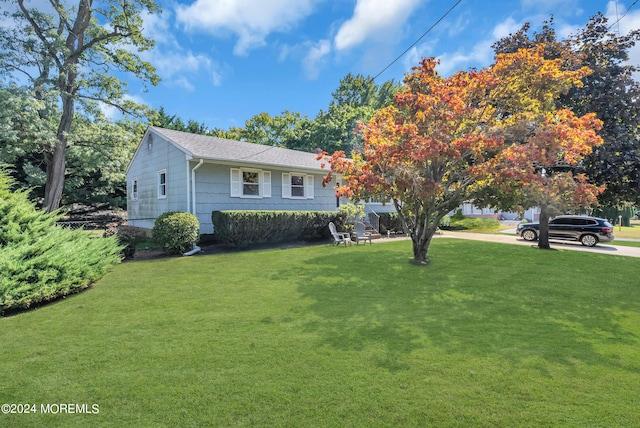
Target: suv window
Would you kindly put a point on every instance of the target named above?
(579, 221)
(560, 221)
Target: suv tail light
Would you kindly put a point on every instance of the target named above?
(607, 229)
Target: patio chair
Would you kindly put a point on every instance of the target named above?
(339, 237)
(360, 234)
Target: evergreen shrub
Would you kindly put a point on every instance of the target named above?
(176, 232)
(244, 228)
(40, 261)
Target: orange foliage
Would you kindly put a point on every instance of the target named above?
(446, 138)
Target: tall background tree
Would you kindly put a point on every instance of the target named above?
(98, 150)
(355, 101)
(70, 53)
(610, 91)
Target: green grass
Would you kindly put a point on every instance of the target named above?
(487, 335)
(632, 231)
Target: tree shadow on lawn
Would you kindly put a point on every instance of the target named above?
(518, 311)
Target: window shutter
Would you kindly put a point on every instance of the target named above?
(266, 184)
(286, 186)
(308, 191)
(236, 183)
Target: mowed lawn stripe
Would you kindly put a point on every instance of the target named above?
(487, 335)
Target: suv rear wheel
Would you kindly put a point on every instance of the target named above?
(588, 240)
(529, 235)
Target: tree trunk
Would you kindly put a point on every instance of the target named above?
(55, 163)
(543, 221)
(421, 237)
(420, 249)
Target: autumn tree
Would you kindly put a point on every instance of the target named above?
(446, 140)
(71, 52)
(610, 91)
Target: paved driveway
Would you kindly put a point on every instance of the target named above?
(615, 250)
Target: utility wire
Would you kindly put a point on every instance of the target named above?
(625, 14)
(427, 32)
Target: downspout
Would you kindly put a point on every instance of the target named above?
(193, 185)
(195, 249)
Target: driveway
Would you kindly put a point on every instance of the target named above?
(615, 250)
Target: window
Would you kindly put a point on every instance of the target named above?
(134, 189)
(297, 186)
(250, 183)
(162, 184)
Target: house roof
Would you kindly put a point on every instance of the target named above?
(221, 149)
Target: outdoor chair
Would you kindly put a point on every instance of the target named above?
(339, 237)
(360, 234)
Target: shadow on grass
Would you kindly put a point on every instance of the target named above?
(475, 298)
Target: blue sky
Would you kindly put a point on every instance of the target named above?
(224, 61)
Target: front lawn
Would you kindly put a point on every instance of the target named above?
(487, 335)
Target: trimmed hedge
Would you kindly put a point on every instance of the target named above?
(244, 228)
(176, 232)
(39, 261)
(476, 223)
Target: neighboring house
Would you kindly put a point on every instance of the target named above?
(470, 210)
(179, 171)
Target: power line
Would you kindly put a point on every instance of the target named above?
(427, 32)
(625, 14)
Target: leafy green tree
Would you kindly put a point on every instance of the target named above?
(233, 133)
(162, 119)
(285, 130)
(98, 150)
(98, 154)
(610, 91)
(71, 52)
(355, 101)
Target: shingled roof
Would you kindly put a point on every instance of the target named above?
(221, 149)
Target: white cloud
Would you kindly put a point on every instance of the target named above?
(171, 63)
(626, 24)
(250, 20)
(184, 83)
(174, 64)
(373, 19)
(313, 60)
(506, 27)
(158, 28)
(480, 56)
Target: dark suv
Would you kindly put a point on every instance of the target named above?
(588, 230)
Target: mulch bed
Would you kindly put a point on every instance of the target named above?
(153, 254)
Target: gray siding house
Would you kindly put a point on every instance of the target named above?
(179, 171)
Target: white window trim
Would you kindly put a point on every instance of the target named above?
(134, 189)
(237, 185)
(161, 196)
(308, 181)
